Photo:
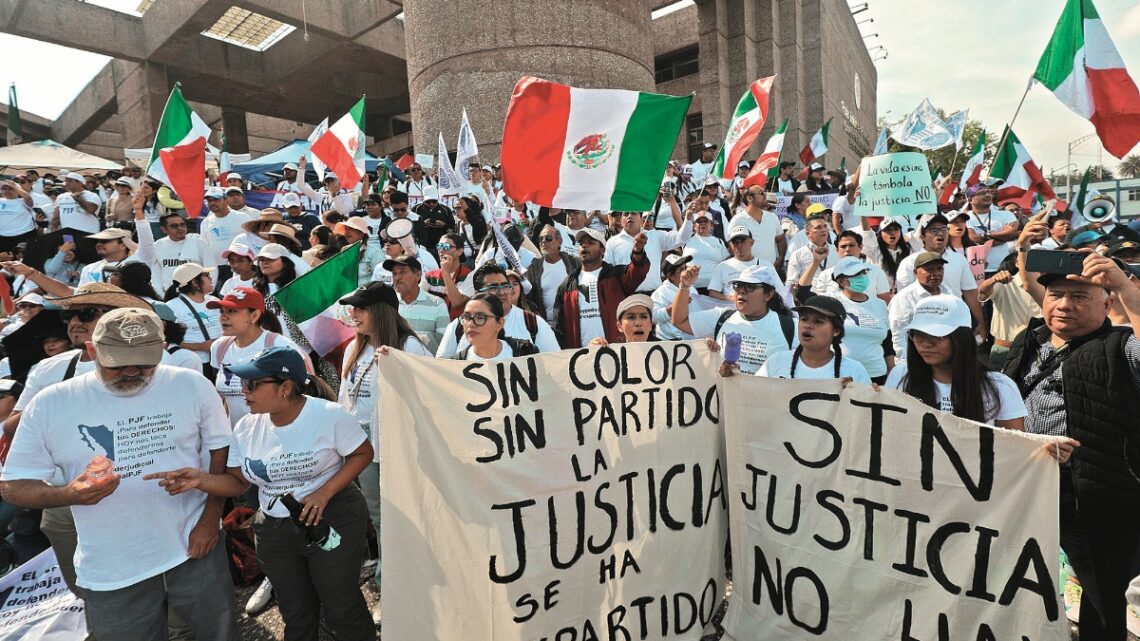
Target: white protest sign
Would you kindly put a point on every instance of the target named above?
(863, 514)
(573, 495)
(783, 202)
(895, 185)
(427, 161)
(35, 603)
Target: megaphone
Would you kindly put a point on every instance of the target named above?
(1099, 209)
(401, 229)
(167, 199)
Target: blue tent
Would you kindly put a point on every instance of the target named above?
(258, 170)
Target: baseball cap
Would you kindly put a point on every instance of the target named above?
(278, 361)
(901, 221)
(187, 272)
(849, 266)
(128, 336)
(164, 312)
(634, 301)
(825, 305)
(290, 200)
(289, 166)
(239, 298)
(329, 176)
(370, 294)
(234, 189)
(1122, 245)
(930, 219)
(71, 175)
(124, 182)
(215, 193)
(739, 231)
(926, 258)
(273, 251)
(759, 275)
(743, 163)
(816, 209)
(592, 234)
(940, 315)
(673, 262)
(708, 145)
(239, 249)
(32, 299)
(954, 215)
(115, 233)
(233, 175)
(405, 261)
(815, 166)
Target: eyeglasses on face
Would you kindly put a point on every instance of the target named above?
(496, 288)
(478, 319)
(85, 315)
(251, 385)
(938, 231)
(746, 288)
(546, 239)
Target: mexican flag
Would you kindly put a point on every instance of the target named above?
(588, 148)
(972, 172)
(815, 148)
(747, 120)
(769, 160)
(1022, 177)
(178, 159)
(1083, 69)
(311, 300)
(341, 148)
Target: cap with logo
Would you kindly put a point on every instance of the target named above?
(239, 298)
(279, 362)
(634, 301)
(673, 262)
(128, 336)
(931, 219)
(290, 199)
(940, 315)
(370, 294)
(849, 266)
(759, 275)
(592, 234)
(214, 193)
(825, 305)
(815, 210)
(738, 231)
(928, 258)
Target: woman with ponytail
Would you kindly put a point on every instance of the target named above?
(820, 352)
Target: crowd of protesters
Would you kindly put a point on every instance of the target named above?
(130, 311)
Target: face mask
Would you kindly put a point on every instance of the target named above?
(859, 284)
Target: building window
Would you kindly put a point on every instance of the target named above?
(675, 65)
(1134, 194)
(695, 127)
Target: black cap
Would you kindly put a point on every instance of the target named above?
(786, 164)
(825, 305)
(404, 260)
(1122, 245)
(370, 294)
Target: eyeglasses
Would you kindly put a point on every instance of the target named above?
(546, 239)
(495, 289)
(443, 247)
(937, 231)
(85, 315)
(251, 385)
(478, 319)
(177, 226)
(746, 288)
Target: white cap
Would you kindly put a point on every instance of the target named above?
(234, 189)
(329, 176)
(431, 193)
(849, 266)
(33, 298)
(940, 315)
(759, 275)
(238, 249)
(273, 251)
(71, 175)
(233, 175)
(593, 234)
(290, 199)
(739, 231)
(289, 166)
(187, 272)
(215, 193)
(902, 221)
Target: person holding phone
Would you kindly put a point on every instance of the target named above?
(17, 220)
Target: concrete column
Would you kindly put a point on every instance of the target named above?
(237, 133)
(141, 90)
(474, 57)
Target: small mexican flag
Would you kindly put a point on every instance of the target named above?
(1022, 176)
(1082, 67)
(815, 148)
(311, 300)
(972, 172)
(341, 148)
(178, 159)
(767, 164)
(588, 148)
(747, 120)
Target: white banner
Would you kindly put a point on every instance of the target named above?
(572, 495)
(35, 603)
(783, 202)
(924, 128)
(868, 515)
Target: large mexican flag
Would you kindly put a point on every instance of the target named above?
(1023, 178)
(1084, 70)
(766, 166)
(747, 120)
(312, 300)
(588, 148)
(341, 147)
(178, 158)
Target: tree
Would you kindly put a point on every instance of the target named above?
(1130, 166)
(941, 160)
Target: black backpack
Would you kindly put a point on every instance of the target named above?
(519, 347)
(529, 319)
(786, 325)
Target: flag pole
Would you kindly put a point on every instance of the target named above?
(1009, 127)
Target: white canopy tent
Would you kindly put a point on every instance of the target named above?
(140, 157)
(52, 157)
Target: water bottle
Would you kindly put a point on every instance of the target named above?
(100, 469)
(321, 535)
(731, 348)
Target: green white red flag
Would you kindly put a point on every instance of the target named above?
(341, 148)
(972, 172)
(1082, 67)
(766, 165)
(178, 158)
(588, 148)
(1022, 177)
(311, 300)
(747, 120)
(815, 148)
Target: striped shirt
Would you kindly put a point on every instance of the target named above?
(428, 316)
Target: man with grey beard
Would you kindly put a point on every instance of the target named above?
(139, 549)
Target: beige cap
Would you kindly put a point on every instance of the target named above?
(634, 301)
(187, 272)
(128, 336)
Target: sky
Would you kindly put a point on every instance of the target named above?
(969, 54)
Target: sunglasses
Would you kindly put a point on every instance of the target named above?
(546, 239)
(443, 247)
(495, 289)
(248, 385)
(745, 288)
(85, 315)
(477, 319)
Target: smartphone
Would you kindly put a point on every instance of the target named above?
(1051, 261)
(68, 238)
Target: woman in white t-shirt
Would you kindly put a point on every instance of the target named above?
(296, 442)
(707, 250)
(820, 353)
(188, 297)
(867, 324)
(375, 310)
(482, 321)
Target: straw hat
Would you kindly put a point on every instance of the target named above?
(281, 232)
(268, 215)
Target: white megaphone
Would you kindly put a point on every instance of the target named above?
(1099, 209)
(401, 230)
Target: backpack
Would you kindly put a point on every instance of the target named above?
(244, 568)
(529, 319)
(518, 346)
(786, 325)
(226, 342)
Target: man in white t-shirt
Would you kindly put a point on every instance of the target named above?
(702, 167)
(235, 199)
(177, 248)
(740, 244)
(415, 185)
(76, 208)
(817, 253)
(619, 248)
(768, 237)
(106, 430)
(988, 223)
(289, 186)
(115, 247)
(518, 323)
(329, 196)
(786, 182)
(222, 225)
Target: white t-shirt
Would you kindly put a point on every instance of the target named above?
(138, 531)
(552, 276)
(16, 217)
(360, 389)
(375, 225)
(779, 365)
(297, 458)
(758, 338)
(729, 269)
(846, 212)
(189, 315)
(707, 253)
(880, 284)
(764, 233)
(991, 222)
(71, 215)
(184, 358)
(169, 255)
(590, 323)
(619, 251)
(505, 352)
(228, 385)
(956, 274)
(233, 282)
(800, 260)
(701, 172)
(864, 331)
(1007, 406)
(220, 232)
(514, 326)
(663, 298)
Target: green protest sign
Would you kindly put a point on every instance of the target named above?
(895, 185)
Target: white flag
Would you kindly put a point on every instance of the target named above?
(956, 125)
(466, 149)
(881, 143)
(923, 129)
(317, 165)
(449, 182)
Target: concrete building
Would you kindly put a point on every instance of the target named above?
(1125, 191)
(267, 71)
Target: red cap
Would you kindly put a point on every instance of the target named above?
(239, 298)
